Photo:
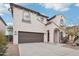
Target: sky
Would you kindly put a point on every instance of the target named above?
(69, 10)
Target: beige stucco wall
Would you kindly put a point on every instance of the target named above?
(2, 26)
(34, 26)
(51, 27)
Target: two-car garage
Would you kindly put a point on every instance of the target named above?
(30, 37)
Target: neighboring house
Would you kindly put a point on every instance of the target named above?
(2, 25)
(9, 32)
(31, 26)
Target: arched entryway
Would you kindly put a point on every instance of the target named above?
(56, 35)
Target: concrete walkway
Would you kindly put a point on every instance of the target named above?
(45, 49)
(12, 50)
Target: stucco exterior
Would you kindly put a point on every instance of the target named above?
(55, 24)
(35, 26)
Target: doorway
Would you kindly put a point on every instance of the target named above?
(56, 36)
(48, 36)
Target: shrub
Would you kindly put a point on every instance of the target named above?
(65, 39)
(3, 43)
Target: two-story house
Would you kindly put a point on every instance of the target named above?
(31, 26)
(28, 25)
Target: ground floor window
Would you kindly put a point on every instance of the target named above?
(48, 35)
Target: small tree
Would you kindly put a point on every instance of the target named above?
(3, 43)
(72, 32)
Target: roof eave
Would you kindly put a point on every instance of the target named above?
(12, 4)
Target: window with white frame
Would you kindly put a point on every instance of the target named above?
(26, 17)
(41, 19)
(61, 22)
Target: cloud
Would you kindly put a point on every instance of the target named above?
(4, 8)
(7, 5)
(65, 9)
(57, 6)
(1, 14)
(77, 5)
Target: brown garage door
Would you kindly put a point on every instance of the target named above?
(28, 37)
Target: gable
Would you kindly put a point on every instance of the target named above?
(56, 19)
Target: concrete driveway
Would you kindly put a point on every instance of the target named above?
(45, 49)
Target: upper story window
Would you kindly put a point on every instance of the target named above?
(26, 17)
(61, 22)
(42, 19)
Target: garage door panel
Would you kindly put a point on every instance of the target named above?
(28, 37)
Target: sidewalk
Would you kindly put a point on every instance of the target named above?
(12, 50)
